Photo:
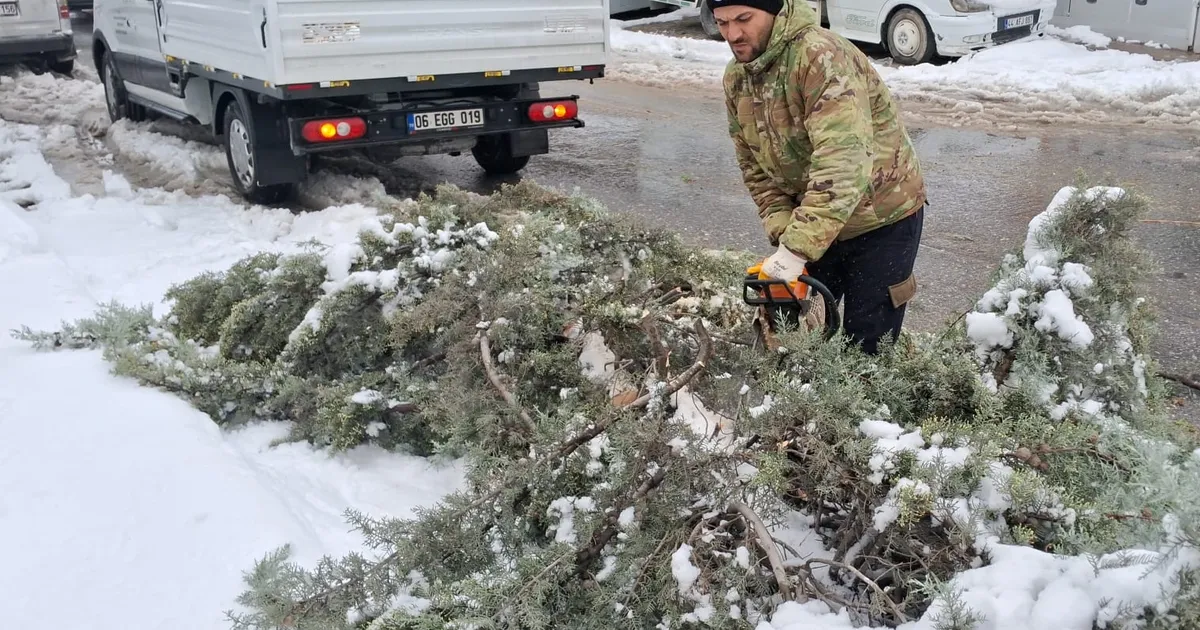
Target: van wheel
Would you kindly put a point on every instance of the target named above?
(241, 154)
(494, 154)
(62, 67)
(115, 96)
(709, 22)
(909, 38)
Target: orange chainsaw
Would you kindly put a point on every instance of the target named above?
(788, 304)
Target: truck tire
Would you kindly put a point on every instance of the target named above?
(115, 97)
(909, 38)
(709, 22)
(494, 154)
(241, 154)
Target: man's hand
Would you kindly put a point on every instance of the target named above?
(784, 265)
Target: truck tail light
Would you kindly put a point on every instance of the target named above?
(64, 12)
(553, 111)
(334, 129)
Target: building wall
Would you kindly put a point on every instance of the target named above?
(1169, 22)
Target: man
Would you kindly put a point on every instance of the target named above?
(826, 159)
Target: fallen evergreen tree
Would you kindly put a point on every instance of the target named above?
(637, 460)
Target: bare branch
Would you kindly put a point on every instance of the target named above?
(767, 543)
(661, 353)
(1181, 379)
(900, 616)
(485, 353)
(702, 358)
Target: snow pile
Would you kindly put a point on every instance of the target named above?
(127, 498)
(1056, 78)
(1080, 34)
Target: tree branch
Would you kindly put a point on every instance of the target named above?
(586, 556)
(900, 616)
(763, 536)
(662, 355)
(485, 353)
(1181, 379)
(702, 358)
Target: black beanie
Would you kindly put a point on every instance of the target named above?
(770, 6)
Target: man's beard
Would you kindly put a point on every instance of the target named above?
(747, 54)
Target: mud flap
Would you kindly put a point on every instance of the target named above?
(530, 142)
(275, 162)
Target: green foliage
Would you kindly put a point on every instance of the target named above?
(514, 330)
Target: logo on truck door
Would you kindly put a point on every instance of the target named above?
(331, 33)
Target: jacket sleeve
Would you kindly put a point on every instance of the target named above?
(774, 206)
(833, 95)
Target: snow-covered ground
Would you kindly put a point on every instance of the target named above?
(124, 499)
(1069, 76)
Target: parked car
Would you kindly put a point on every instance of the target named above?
(278, 81)
(37, 32)
(913, 31)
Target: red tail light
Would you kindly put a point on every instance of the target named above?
(334, 129)
(553, 111)
(64, 12)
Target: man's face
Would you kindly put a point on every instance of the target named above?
(746, 29)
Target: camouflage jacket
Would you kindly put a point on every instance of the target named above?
(818, 138)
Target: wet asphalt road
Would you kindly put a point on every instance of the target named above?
(665, 155)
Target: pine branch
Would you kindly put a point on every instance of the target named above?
(586, 556)
(767, 543)
(485, 353)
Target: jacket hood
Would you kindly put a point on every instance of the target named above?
(796, 16)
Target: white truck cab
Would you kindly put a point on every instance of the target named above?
(37, 32)
(913, 31)
(278, 81)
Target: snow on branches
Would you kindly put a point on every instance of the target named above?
(635, 459)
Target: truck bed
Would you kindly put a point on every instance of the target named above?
(310, 41)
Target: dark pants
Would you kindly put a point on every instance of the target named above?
(872, 275)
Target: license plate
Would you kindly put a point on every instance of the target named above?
(1017, 21)
(442, 121)
(8, 9)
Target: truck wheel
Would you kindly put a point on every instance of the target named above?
(709, 22)
(241, 153)
(115, 96)
(909, 38)
(494, 154)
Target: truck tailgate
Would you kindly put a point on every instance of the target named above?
(334, 40)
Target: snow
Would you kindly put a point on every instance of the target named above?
(1027, 589)
(126, 497)
(1080, 34)
(1054, 78)
(1058, 315)
(682, 569)
(565, 508)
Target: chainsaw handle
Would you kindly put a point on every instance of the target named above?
(833, 321)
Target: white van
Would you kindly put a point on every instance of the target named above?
(913, 31)
(37, 32)
(278, 81)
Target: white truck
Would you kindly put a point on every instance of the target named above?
(913, 31)
(37, 32)
(278, 81)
